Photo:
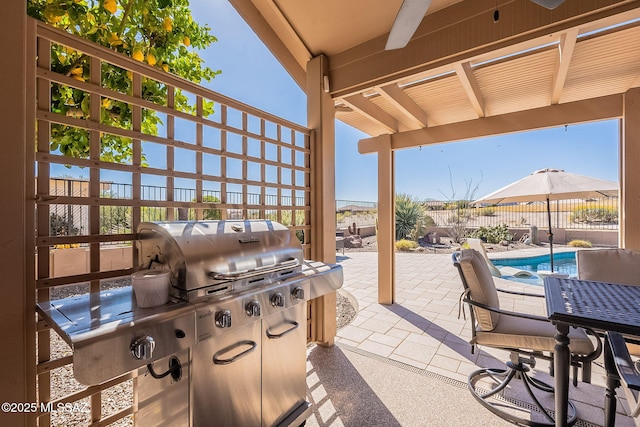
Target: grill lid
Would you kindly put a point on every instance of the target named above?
(216, 253)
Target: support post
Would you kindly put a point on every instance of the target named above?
(386, 222)
(629, 200)
(321, 119)
(18, 305)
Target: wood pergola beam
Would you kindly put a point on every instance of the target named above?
(470, 85)
(607, 107)
(283, 43)
(370, 110)
(414, 113)
(565, 52)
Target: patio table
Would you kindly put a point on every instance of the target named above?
(584, 303)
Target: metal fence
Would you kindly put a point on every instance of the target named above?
(596, 214)
(73, 220)
(599, 214)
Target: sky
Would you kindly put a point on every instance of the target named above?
(252, 75)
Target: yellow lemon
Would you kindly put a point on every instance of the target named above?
(151, 59)
(186, 41)
(111, 6)
(54, 19)
(106, 103)
(165, 67)
(167, 24)
(76, 71)
(130, 75)
(79, 78)
(138, 55)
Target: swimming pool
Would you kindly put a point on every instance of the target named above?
(563, 263)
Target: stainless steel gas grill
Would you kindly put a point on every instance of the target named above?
(246, 284)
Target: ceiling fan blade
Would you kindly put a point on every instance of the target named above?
(549, 4)
(409, 17)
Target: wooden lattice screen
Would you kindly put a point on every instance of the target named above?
(237, 162)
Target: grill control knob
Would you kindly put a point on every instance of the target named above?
(277, 300)
(252, 308)
(223, 319)
(142, 348)
(297, 293)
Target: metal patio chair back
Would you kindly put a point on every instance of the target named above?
(527, 337)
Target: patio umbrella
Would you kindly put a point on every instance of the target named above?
(551, 184)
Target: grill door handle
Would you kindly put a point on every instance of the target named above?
(245, 273)
(238, 356)
(295, 325)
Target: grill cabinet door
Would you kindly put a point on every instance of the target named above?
(164, 402)
(284, 386)
(227, 393)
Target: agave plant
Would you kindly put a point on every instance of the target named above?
(409, 213)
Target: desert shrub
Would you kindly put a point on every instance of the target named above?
(405, 245)
(409, 216)
(492, 234)
(486, 211)
(211, 213)
(580, 244)
(434, 207)
(589, 215)
(457, 204)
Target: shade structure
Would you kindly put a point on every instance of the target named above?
(545, 185)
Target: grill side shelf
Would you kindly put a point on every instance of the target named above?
(101, 327)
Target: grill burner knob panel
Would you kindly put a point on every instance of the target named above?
(277, 299)
(252, 308)
(298, 293)
(142, 348)
(223, 319)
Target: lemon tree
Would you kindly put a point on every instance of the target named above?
(161, 33)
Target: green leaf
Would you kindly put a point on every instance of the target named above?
(84, 105)
(162, 4)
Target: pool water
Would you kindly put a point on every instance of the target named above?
(563, 263)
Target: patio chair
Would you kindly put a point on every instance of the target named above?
(613, 266)
(609, 265)
(621, 371)
(526, 336)
(496, 271)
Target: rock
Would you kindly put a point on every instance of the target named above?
(504, 243)
(353, 241)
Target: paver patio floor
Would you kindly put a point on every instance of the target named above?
(414, 354)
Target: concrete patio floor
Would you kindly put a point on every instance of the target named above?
(407, 364)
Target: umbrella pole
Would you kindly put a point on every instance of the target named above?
(550, 233)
